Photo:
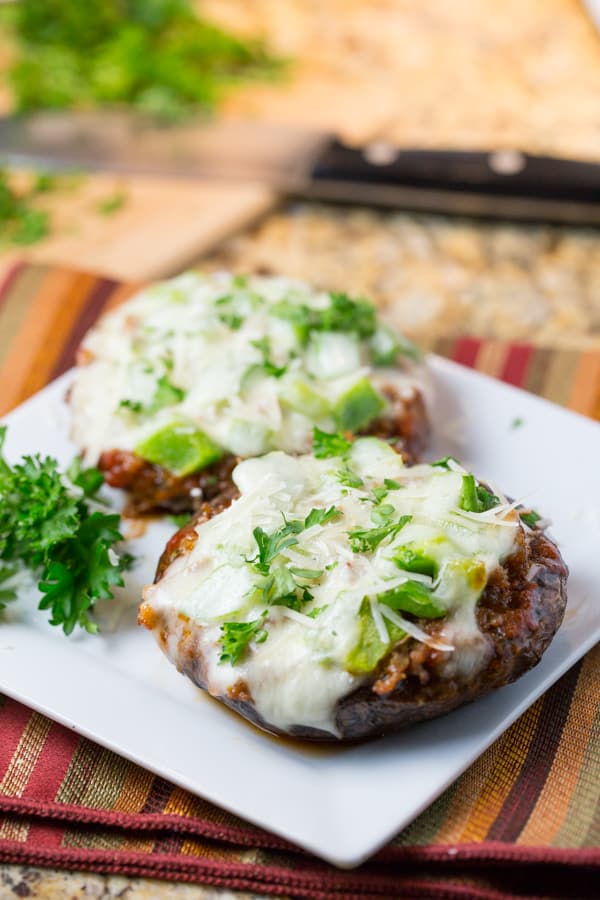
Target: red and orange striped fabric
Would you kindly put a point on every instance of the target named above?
(523, 821)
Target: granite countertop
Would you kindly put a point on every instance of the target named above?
(45, 884)
(436, 276)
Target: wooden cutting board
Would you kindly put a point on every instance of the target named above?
(162, 226)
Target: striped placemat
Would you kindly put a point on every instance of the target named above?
(523, 821)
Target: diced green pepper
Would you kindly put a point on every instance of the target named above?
(179, 447)
(412, 560)
(384, 346)
(413, 597)
(302, 398)
(358, 406)
(370, 649)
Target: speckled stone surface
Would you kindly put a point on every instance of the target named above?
(44, 884)
(434, 275)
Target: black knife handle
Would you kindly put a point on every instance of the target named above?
(501, 173)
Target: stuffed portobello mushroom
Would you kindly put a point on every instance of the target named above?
(176, 385)
(341, 594)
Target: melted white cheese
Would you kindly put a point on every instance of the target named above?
(199, 334)
(301, 671)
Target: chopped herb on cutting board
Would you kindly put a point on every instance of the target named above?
(159, 57)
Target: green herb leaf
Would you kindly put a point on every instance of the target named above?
(381, 514)
(7, 572)
(474, 497)
(51, 530)
(308, 574)
(530, 518)
(391, 485)
(110, 205)
(271, 545)
(326, 444)
(443, 463)
(367, 540)
(349, 478)
(316, 611)
(232, 320)
(321, 516)
(343, 314)
(235, 637)
(158, 56)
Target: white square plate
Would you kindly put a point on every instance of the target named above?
(343, 805)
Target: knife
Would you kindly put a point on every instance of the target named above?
(300, 163)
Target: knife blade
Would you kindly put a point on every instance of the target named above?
(315, 165)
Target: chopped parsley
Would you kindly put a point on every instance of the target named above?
(280, 585)
(235, 637)
(344, 314)
(474, 497)
(271, 545)
(531, 518)
(165, 394)
(267, 365)
(382, 513)
(443, 463)
(110, 205)
(349, 478)
(232, 320)
(328, 444)
(47, 525)
(366, 540)
(517, 422)
(20, 221)
(321, 516)
(159, 57)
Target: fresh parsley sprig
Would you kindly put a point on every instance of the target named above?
(47, 525)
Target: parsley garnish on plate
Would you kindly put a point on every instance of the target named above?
(47, 525)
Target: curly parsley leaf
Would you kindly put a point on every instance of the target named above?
(7, 591)
(46, 524)
(271, 545)
(235, 637)
(327, 444)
